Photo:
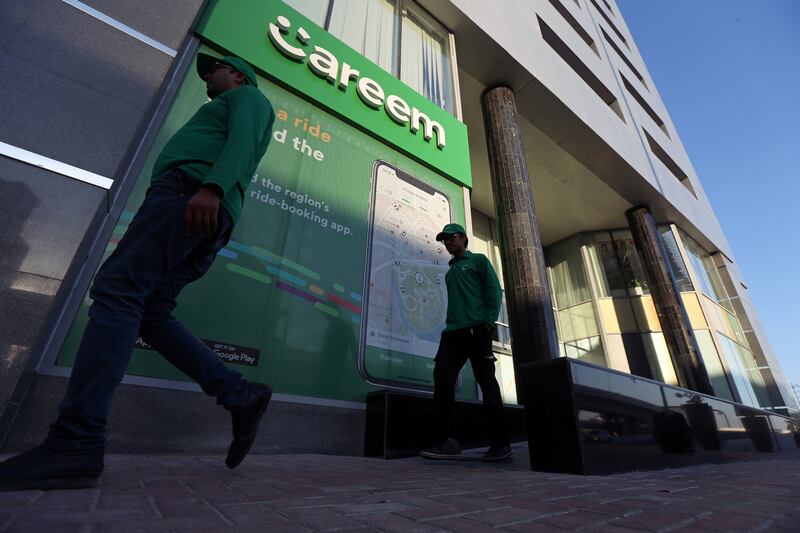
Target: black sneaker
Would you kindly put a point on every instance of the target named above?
(245, 423)
(498, 453)
(43, 468)
(449, 449)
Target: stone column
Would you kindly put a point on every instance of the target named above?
(672, 314)
(530, 313)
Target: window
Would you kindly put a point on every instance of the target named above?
(676, 264)
(483, 241)
(745, 375)
(424, 57)
(610, 24)
(572, 21)
(570, 286)
(706, 273)
(668, 162)
(716, 373)
(607, 270)
(644, 104)
(580, 68)
(578, 329)
(502, 330)
(622, 56)
(397, 35)
(632, 271)
(616, 265)
(369, 27)
(316, 10)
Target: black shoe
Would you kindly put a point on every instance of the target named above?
(449, 449)
(245, 423)
(498, 453)
(43, 468)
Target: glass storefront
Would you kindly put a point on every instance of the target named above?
(733, 345)
(331, 283)
(576, 320)
(601, 273)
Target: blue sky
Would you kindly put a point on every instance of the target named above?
(728, 72)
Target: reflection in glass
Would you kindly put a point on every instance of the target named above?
(369, 27)
(632, 272)
(679, 270)
(731, 435)
(705, 272)
(424, 57)
(578, 330)
(702, 419)
(716, 372)
(316, 10)
(570, 286)
(588, 349)
(609, 266)
(738, 372)
(655, 347)
(502, 331)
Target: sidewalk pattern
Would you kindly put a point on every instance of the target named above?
(290, 493)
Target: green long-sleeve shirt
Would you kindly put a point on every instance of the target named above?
(473, 292)
(222, 144)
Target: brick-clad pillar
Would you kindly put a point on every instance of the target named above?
(530, 313)
(672, 314)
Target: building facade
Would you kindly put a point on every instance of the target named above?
(535, 124)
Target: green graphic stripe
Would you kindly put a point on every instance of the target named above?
(338, 287)
(275, 258)
(263, 254)
(300, 268)
(328, 310)
(246, 272)
(288, 277)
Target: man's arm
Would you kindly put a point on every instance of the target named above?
(248, 119)
(493, 294)
(202, 211)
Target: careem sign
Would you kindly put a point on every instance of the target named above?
(340, 74)
(290, 50)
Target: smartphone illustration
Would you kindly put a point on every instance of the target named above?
(405, 304)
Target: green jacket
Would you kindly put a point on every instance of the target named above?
(473, 292)
(222, 144)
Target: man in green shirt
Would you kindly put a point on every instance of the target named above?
(187, 216)
(473, 304)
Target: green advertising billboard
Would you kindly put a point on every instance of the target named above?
(291, 49)
(332, 283)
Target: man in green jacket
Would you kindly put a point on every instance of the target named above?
(187, 216)
(473, 304)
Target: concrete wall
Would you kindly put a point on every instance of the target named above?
(75, 89)
(79, 90)
(154, 420)
(514, 26)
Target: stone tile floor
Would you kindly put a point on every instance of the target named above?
(276, 493)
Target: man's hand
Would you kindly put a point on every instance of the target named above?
(489, 327)
(202, 211)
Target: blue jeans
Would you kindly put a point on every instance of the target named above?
(134, 294)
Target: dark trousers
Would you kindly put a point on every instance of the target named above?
(134, 294)
(455, 348)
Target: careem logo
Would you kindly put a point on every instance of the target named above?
(325, 65)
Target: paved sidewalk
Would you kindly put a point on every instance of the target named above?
(279, 493)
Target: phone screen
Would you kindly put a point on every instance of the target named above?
(406, 296)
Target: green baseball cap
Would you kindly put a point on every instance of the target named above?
(206, 64)
(451, 229)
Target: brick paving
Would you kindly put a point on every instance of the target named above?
(277, 493)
